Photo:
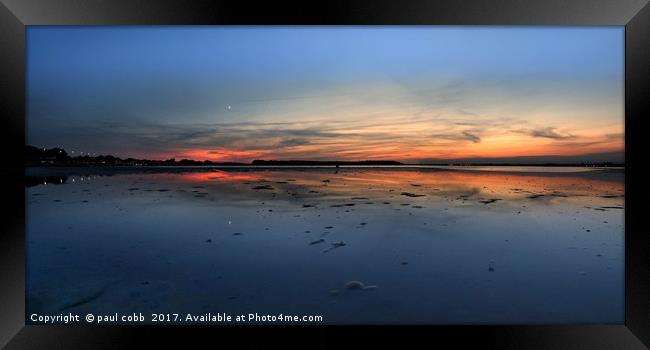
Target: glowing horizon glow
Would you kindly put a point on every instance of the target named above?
(411, 94)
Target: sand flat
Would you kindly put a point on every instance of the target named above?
(469, 246)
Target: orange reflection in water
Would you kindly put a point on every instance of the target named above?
(498, 183)
(218, 175)
(430, 182)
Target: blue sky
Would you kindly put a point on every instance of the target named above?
(240, 93)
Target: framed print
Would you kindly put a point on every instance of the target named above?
(375, 171)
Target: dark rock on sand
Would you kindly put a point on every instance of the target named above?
(263, 187)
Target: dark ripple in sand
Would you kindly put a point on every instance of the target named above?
(491, 200)
(408, 194)
(335, 245)
(263, 187)
(342, 205)
(535, 196)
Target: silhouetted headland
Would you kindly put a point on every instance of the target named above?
(59, 157)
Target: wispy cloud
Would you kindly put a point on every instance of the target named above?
(462, 136)
(548, 132)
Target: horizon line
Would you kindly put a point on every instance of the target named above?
(43, 156)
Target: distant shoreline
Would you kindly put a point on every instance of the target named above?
(35, 175)
(58, 157)
(402, 165)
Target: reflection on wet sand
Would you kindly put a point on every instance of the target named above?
(359, 185)
(356, 245)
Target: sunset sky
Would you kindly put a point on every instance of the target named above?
(412, 94)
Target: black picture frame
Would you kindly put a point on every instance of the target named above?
(15, 15)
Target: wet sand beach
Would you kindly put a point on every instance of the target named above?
(385, 245)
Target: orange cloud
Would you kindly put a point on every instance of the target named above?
(219, 154)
